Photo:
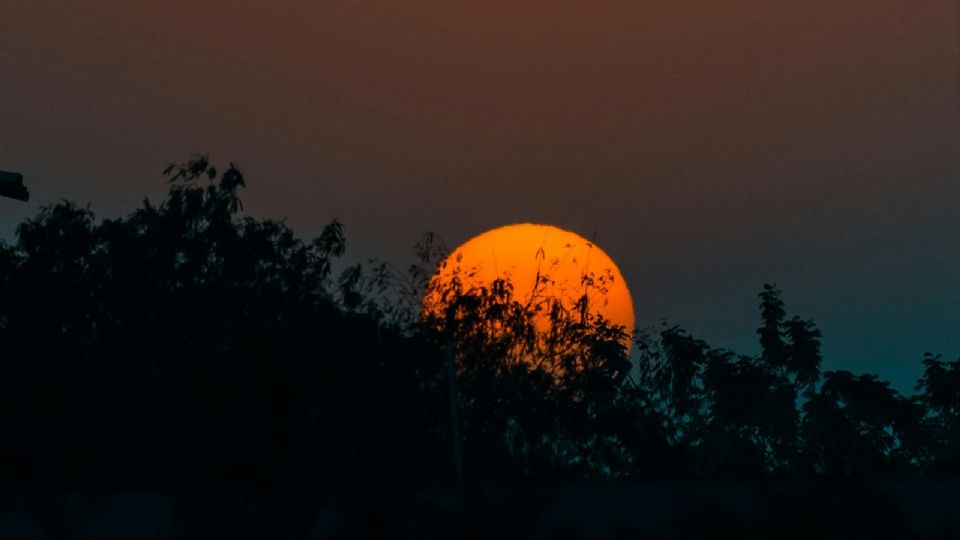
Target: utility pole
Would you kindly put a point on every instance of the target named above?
(11, 185)
(454, 415)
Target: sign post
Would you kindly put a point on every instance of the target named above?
(11, 185)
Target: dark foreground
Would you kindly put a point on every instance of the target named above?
(637, 511)
(188, 371)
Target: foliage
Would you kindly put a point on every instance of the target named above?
(187, 341)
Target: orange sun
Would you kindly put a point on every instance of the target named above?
(566, 266)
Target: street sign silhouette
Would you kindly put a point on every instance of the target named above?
(11, 185)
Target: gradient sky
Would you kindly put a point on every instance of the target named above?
(708, 146)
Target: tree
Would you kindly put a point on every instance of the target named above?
(940, 399)
(859, 427)
(772, 313)
(533, 398)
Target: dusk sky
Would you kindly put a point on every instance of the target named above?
(708, 146)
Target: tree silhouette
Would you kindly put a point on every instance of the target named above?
(533, 399)
(940, 399)
(857, 426)
(186, 344)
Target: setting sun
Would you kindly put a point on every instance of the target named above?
(541, 261)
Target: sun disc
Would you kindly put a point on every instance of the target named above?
(541, 260)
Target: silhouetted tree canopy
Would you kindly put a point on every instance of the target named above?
(187, 340)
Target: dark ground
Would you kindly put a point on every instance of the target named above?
(576, 511)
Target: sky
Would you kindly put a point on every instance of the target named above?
(708, 146)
